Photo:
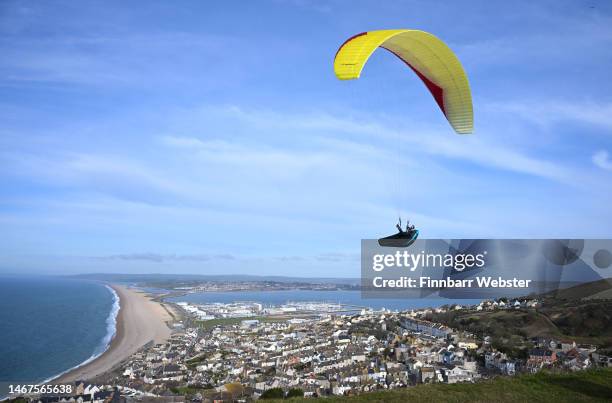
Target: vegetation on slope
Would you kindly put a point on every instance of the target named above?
(584, 386)
(565, 315)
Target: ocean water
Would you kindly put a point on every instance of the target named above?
(339, 296)
(51, 325)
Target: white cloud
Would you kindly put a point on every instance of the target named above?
(602, 159)
(546, 114)
(420, 140)
(216, 175)
(182, 142)
(127, 60)
(564, 38)
(317, 179)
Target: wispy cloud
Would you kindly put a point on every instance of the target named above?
(547, 114)
(602, 159)
(566, 33)
(338, 257)
(178, 136)
(419, 139)
(123, 60)
(156, 257)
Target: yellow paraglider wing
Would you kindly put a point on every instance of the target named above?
(429, 57)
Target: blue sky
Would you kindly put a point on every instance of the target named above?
(213, 137)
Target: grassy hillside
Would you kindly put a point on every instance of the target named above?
(584, 386)
(566, 315)
(586, 290)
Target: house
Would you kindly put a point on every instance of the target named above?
(171, 369)
(499, 361)
(448, 357)
(542, 355)
(507, 367)
(91, 389)
(576, 360)
(454, 374)
(602, 360)
(468, 345)
(470, 366)
(428, 374)
(568, 346)
(491, 357)
(341, 389)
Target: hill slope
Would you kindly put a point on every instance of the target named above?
(584, 386)
(586, 290)
(566, 315)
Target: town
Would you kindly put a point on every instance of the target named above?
(244, 352)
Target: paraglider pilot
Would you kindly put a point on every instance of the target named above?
(408, 226)
(399, 226)
(403, 238)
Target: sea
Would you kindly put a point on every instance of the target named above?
(50, 325)
(344, 297)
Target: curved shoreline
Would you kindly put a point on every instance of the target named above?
(138, 322)
(114, 316)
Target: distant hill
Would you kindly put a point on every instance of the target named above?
(582, 386)
(158, 277)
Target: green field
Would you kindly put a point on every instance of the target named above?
(584, 386)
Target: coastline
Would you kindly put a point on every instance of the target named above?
(138, 322)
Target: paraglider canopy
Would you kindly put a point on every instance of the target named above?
(427, 56)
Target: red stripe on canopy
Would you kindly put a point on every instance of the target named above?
(436, 91)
